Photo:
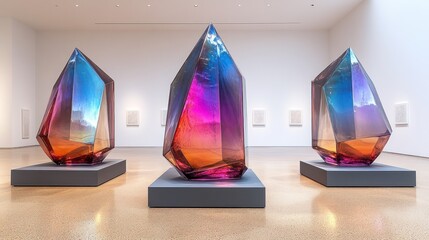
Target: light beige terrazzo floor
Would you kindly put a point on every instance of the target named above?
(297, 208)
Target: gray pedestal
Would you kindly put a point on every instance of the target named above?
(50, 174)
(375, 175)
(172, 191)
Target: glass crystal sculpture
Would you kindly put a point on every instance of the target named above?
(204, 134)
(349, 125)
(78, 126)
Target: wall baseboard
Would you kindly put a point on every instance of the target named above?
(19, 147)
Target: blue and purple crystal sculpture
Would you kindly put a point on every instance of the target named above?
(78, 127)
(204, 134)
(349, 125)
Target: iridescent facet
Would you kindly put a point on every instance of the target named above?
(349, 125)
(78, 127)
(204, 134)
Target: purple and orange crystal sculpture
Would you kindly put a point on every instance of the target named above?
(349, 125)
(204, 134)
(78, 127)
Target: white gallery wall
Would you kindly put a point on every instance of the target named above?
(5, 80)
(17, 82)
(391, 39)
(278, 66)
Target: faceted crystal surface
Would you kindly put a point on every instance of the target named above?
(78, 126)
(349, 125)
(204, 134)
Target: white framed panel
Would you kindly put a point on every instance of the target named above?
(163, 117)
(258, 117)
(133, 118)
(25, 123)
(401, 113)
(295, 118)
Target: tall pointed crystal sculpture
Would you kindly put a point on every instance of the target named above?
(78, 127)
(204, 134)
(349, 125)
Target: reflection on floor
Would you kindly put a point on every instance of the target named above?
(296, 206)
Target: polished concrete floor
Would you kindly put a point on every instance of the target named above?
(297, 208)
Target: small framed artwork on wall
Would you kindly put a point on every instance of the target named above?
(402, 114)
(133, 118)
(258, 117)
(295, 118)
(25, 123)
(163, 117)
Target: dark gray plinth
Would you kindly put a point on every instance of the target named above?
(50, 174)
(375, 175)
(172, 191)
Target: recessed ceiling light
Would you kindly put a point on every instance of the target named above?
(117, 5)
(268, 5)
(77, 5)
(195, 5)
(148, 5)
(239, 5)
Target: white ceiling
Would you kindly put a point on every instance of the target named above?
(136, 14)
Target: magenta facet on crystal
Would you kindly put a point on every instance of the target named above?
(204, 135)
(349, 125)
